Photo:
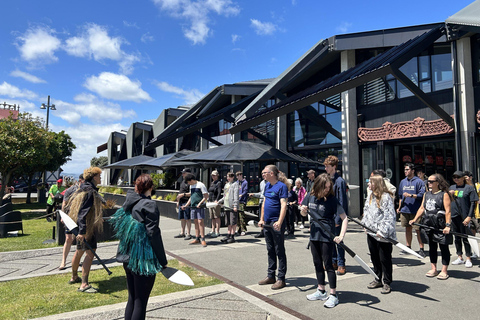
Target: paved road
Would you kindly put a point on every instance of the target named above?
(244, 263)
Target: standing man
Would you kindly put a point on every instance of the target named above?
(242, 202)
(260, 202)
(54, 190)
(86, 209)
(68, 234)
(184, 214)
(340, 192)
(410, 191)
(198, 197)
(311, 174)
(274, 209)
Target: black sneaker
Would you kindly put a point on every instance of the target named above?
(421, 252)
(225, 239)
(231, 240)
(404, 252)
(188, 237)
(180, 235)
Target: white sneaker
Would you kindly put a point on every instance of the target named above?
(302, 226)
(331, 302)
(468, 264)
(317, 295)
(459, 261)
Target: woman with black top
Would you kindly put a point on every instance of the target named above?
(141, 246)
(292, 203)
(215, 194)
(379, 215)
(322, 207)
(435, 209)
(463, 210)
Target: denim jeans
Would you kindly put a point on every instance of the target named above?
(338, 251)
(275, 241)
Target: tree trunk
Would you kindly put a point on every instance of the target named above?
(29, 187)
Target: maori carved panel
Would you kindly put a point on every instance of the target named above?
(405, 129)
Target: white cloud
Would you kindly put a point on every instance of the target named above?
(198, 14)
(27, 76)
(235, 38)
(96, 44)
(12, 91)
(189, 96)
(263, 28)
(86, 138)
(116, 87)
(130, 24)
(147, 37)
(344, 26)
(38, 45)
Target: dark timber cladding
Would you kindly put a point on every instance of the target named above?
(376, 67)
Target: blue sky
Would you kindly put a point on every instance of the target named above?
(107, 64)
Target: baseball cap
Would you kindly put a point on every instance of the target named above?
(310, 171)
(214, 173)
(186, 170)
(59, 180)
(458, 173)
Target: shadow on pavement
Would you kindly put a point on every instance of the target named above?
(361, 299)
(411, 288)
(463, 274)
(303, 284)
(408, 261)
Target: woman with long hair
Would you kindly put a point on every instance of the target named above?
(435, 210)
(141, 246)
(322, 207)
(379, 215)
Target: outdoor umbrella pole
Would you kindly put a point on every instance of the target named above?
(395, 242)
(451, 232)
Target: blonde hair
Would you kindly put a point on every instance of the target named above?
(91, 172)
(283, 178)
(379, 188)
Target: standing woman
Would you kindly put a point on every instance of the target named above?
(379, 215)
(300, 191)
(214, 194)
(322, 206)
(141, 246)
(463, 206)
(436, 213)
(292, 202)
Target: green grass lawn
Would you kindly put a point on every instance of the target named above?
(35, 230)
(47, 295)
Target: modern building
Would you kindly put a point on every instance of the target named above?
(375, 99)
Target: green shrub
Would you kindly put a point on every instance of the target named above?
(171, 197)
(253, 202)
(117, 191)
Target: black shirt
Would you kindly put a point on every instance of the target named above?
(463, 198)
(215, 191)
(324, 211)
(184, 188)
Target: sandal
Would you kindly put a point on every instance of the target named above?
(443, 276)
(432, 273)
(87, 289)
(76, 280)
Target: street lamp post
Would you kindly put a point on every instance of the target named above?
(48, 107)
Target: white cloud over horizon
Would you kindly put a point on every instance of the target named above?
(38, 45)
(117, 87)
(189, 96)
(263, 28)
(27, 76)
(11, 91)
(198, 14)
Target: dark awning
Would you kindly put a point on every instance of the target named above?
(376, 67)
(129, 163)
(102, 147)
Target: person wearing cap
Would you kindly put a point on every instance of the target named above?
(410, 191)
(463, 210)
(54, 190)
(184, 214)
(68, 234)
(215, 194)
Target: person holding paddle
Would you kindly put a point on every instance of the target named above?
(322, 206)
(379, 214)
(435, 209)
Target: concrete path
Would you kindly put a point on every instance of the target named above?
(242, 264)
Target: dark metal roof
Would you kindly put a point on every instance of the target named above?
(371, 69)
(468, 16)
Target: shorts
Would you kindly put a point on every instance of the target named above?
(405, 218)
(214, 212)
(183, 214)
(197, 213)
(231, 217)
(92, 242)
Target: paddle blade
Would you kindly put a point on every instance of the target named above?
(211, 205)
(474, 246)
(407, 249)
(69, 223)
(177, 276)
(365, 266)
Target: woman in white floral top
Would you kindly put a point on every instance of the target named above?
(379, 214)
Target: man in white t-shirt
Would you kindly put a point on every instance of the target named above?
(198, 197)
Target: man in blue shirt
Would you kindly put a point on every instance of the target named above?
(340, 192)
(273, 213)
(242, 202)
(411, 192)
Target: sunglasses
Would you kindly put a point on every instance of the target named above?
(456, 177)
(431, 181)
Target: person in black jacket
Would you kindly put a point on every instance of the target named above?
(215, 194)
(139, 217)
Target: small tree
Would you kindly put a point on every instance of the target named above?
(99, 162)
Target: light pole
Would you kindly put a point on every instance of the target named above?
(48, 107)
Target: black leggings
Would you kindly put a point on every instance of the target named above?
(139, 288)
(457, 224)
(322, 260)
(433, 253)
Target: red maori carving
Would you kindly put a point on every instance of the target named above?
(405, 129)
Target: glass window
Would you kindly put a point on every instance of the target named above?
(424, 65)
(442, 71)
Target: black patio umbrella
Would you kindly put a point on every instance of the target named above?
(242, 151)
(129, 163)
(168, 160)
